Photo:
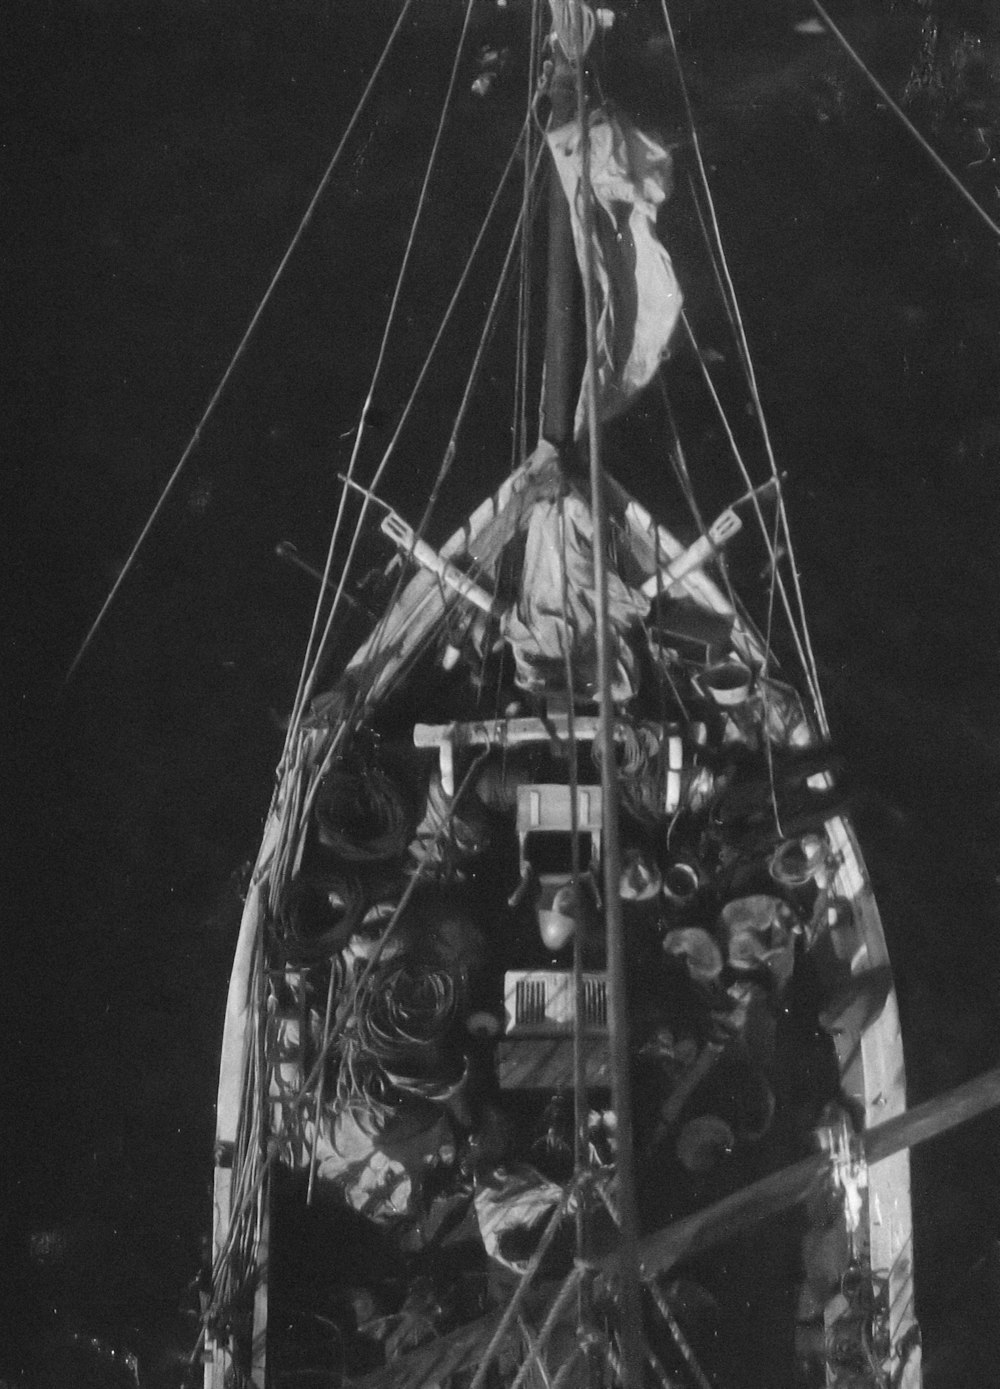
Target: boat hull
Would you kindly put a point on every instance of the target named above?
(265, 1089)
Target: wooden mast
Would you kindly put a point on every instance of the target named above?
(562, 364)
(568, 101)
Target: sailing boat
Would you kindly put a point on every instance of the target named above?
(560, 949)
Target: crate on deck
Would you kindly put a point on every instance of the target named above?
(536, 1050)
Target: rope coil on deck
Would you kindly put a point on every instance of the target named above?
(362, 818)
(396, 1037)
(316, 916)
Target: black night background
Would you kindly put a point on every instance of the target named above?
(156, 159)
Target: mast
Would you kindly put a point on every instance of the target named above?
(568, 99)
(562, 367)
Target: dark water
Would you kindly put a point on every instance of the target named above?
(156, 160)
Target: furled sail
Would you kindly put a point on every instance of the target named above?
(555, 610)
(639, 299)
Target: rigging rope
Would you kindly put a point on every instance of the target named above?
(559, 1305)
(681, 473)
(291, 840)
(810, 670)
(321, 1085)
(719, 408)
(339, 593)
(680, 1340)
(473, 376)
(241, 347)
(897, 111)
(580, 1105)
(298, 804)
(316, 914)
(521, 226)
(519, 435)
(771, 546)
(714, 262)
(378, 634)
(307, 673)
(520, 1292)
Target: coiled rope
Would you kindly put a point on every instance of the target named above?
(393, 1035)
(316, 917)
(362, 818)
(635, 747)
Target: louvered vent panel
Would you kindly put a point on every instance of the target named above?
(542, 1002)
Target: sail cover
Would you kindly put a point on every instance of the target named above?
(639, 299)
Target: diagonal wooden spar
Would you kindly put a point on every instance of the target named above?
(783, 1189)
(770, 1196)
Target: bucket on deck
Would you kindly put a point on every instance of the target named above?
(726, 684)
(797, 862)
(640, 880)
(681, 884)
(698, 950)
